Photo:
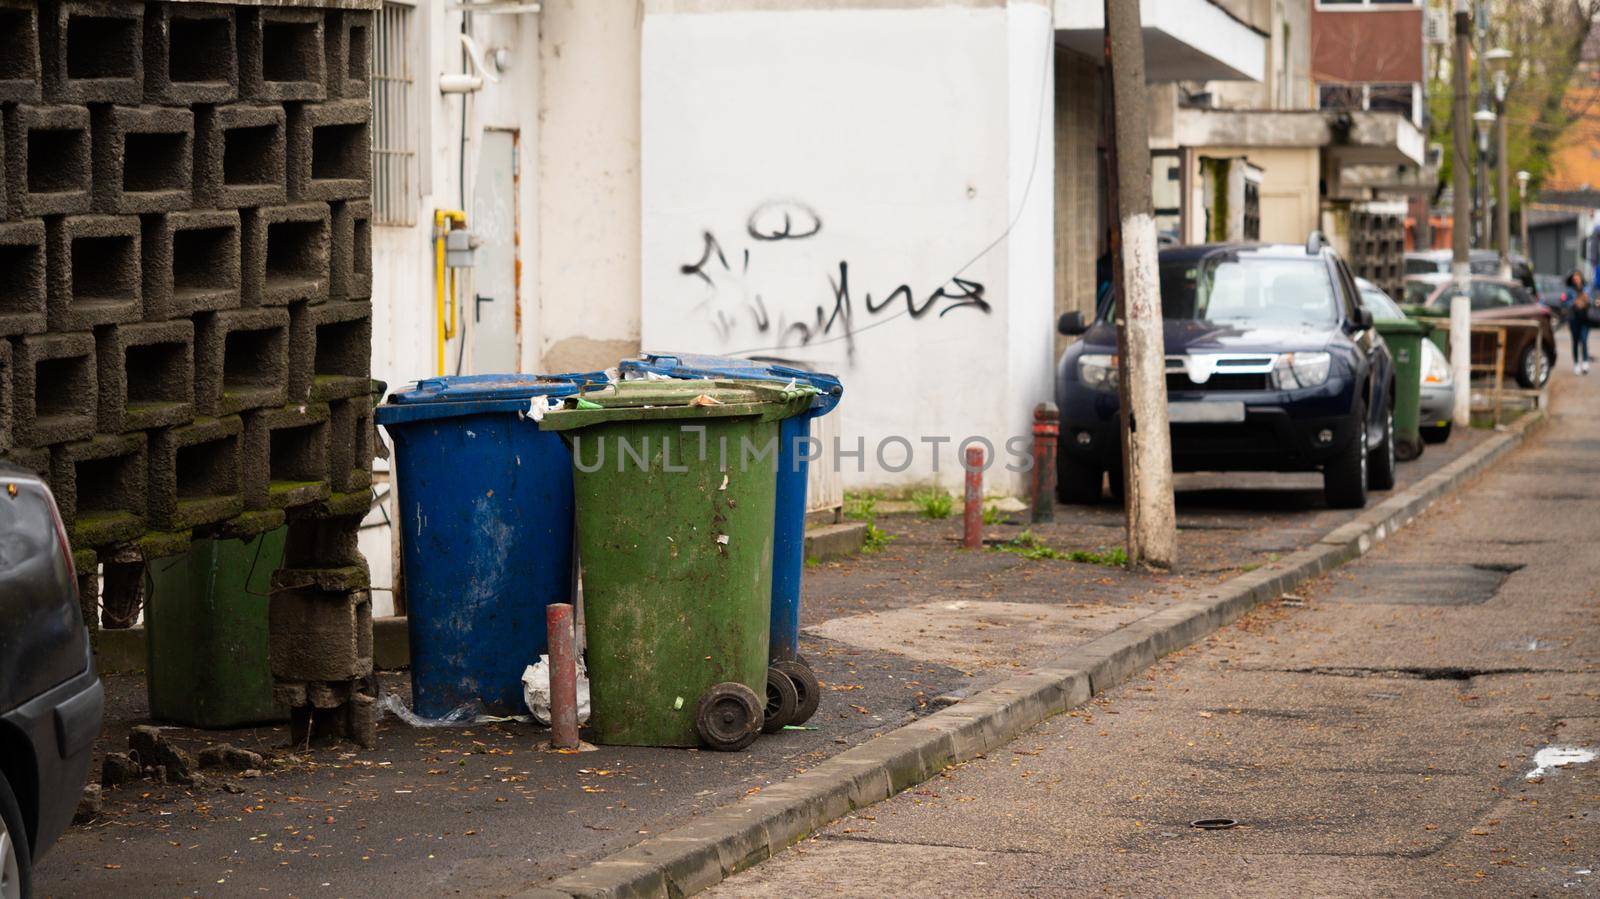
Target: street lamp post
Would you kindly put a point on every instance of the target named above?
(1523, 177)
(1480, 192)
(1483, 120)
(1498, 58)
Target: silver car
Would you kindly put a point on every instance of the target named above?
(1438, 386)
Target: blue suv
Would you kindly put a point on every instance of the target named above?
(1272, 364)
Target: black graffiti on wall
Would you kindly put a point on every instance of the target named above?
(830, 319)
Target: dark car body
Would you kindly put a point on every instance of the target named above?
(1495, 300)
(1482, 262)
(51, 700)
(1214, 369)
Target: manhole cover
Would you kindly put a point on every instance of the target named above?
(1423, 584)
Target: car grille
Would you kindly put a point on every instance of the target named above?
(1180, 381)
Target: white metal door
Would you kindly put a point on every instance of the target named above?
(494, 322)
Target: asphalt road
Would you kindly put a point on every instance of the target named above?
(1379, 735)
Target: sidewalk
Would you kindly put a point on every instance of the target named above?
(894, 635)
(1377, 736)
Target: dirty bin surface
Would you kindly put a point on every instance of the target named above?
(485, 506)
(675, 488)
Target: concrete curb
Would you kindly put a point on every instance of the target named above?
(729, 839)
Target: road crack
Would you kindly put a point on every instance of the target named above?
(1415, 672)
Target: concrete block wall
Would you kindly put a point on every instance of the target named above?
(185, 295)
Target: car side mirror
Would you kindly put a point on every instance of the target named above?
(1362, 320)
(1071, 324)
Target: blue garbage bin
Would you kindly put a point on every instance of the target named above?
(486, 518)
(789, 531)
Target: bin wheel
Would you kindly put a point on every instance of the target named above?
(728, 717)
(783, 700)
(805, 684)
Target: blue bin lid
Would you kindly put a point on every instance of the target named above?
(465, 388)
(456, 395)
(699, 365)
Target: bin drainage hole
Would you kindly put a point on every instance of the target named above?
(1214, 823)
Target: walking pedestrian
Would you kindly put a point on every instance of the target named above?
(1575, 305)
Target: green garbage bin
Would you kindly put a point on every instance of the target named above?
(206, 632)
(674, 483)
(1404, 338)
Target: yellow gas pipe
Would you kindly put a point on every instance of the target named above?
(443, 221)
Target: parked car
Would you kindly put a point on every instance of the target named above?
(1482, 262)
(1272, 365)
(50, 697)
(1437, 407)
(1495, 300)
(1547, 288)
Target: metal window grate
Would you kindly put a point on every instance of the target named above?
(394, 128)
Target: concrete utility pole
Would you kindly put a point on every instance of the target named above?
(1460, 269)
(1147, 441)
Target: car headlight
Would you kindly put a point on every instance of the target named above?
(1435, 367)
(1098, 371)
(1293, 370)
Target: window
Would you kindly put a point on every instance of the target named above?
(1166, 190)
(394, 125)
(1489, 295)
(1242, 290)
(1404, 98)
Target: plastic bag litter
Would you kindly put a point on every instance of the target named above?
(461, 716)
(536, 691)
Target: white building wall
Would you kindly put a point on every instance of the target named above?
(866, 191)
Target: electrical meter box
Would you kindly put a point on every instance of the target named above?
(460, 248)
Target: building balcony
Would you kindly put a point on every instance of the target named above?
(1351, 138)
(1184, 40)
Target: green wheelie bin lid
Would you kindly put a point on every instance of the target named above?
(635, 401)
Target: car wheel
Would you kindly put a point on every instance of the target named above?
(16, 861)
(1532, 370)
(1344, 477)
(1076, 482)
(1381, 469)
(1436, 435)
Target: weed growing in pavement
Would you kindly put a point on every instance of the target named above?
(934, 503)
(861, 507)
(1028, 546)
(875, 540)
(812, 561)
(993, 515)
(1111, 558)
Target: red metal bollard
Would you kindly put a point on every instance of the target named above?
(563, 677)
(972, 515)
(1046, 432)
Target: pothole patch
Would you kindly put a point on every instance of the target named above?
(1401, 583)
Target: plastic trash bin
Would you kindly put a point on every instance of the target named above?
(206, 633)
(789, 526)
(1404, 338)
(486, 532)
(676, 490)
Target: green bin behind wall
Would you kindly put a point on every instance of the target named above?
(206, 631)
